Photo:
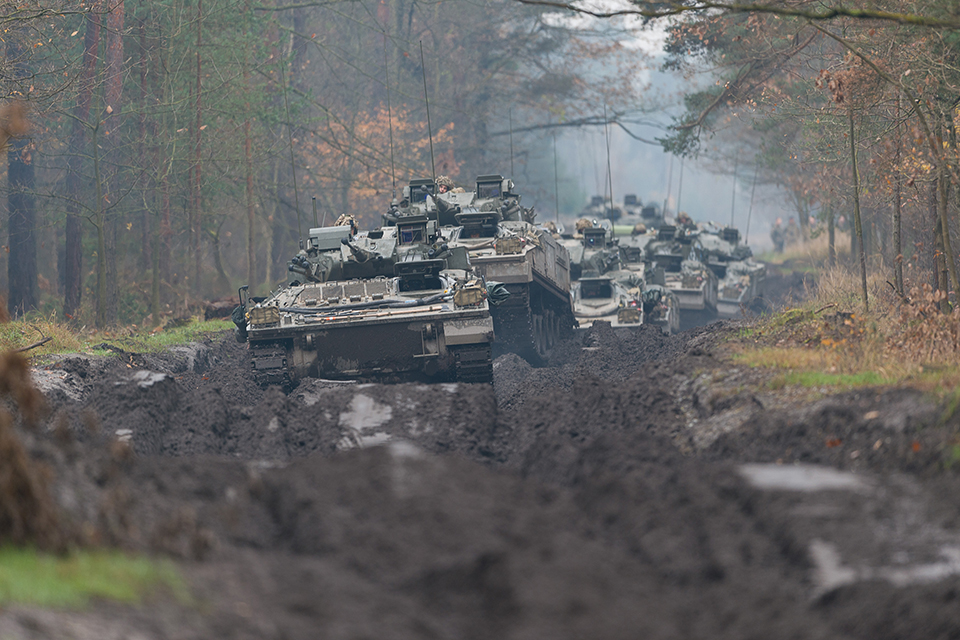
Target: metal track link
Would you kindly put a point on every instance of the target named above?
(270, 365)
(474, 363)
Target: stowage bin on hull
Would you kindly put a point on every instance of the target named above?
(391, 304)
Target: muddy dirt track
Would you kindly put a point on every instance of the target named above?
(639, 487)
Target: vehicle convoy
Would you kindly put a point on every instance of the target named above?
(674, 257)
(601, 208)
(636, 214)
(392, 304)
(741, 279)
(506, 247)
(596, 256)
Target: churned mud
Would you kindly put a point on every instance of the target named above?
(641, 486)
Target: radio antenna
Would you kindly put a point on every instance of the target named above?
(733, 198)
(606, 137)
(293, 165)
(426, 99)
(386, 83)
(316, 221)
(556, 178)
(510, 116)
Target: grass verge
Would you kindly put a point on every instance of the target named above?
(832, 341)
(30, 577)
(67, 339)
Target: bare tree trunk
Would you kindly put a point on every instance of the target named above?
(942, 234)
(113, 65)
(831, 236)
(949, 256)
(856, 212)
(73, 231)
(146, 226)
(898, 210)
(197, 174)
(22, 260)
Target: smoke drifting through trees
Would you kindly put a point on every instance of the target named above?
(159, 165)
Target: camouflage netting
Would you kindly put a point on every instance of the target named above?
(347, 220)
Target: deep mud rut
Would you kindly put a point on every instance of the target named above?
(639, 487)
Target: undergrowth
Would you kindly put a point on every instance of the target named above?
(831, 340)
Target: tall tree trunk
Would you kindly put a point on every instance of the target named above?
(197, 173)
(942, 232)
(898, 209)
(145, 264)
(22, 260)
(856, 212)
(111, 123)
(73, 231)
(831, 236)
(22, 209)
(949, 256)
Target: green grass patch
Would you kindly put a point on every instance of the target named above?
(67, 339)
(30, 577)
(146, 341)
(816, 379)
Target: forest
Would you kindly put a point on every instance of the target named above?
(167, 152)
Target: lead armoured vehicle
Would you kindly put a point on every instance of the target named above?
(392, 304)
(505, 246)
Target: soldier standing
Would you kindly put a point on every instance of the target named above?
(776, 234)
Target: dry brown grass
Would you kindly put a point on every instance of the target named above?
(833, 334)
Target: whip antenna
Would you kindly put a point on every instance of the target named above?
(316, 222)
(606, 137)
(510, 116)
(733, 198)
(293, 165)
(426, 99)
(386, 83)
(556, 178)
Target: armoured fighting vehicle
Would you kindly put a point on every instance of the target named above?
(675, 257)
(636, 214)
(604, 297)
(505, 246)
(741, 279)
(596, 257)
(601, 208)
(392, 304)
(593, 249)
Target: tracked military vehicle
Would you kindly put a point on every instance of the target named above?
(505, 246)
(592, 249)
(606, 298)
(674, 259)
(601, 208)
(596, 257)
(741, 279)
(392, 304)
